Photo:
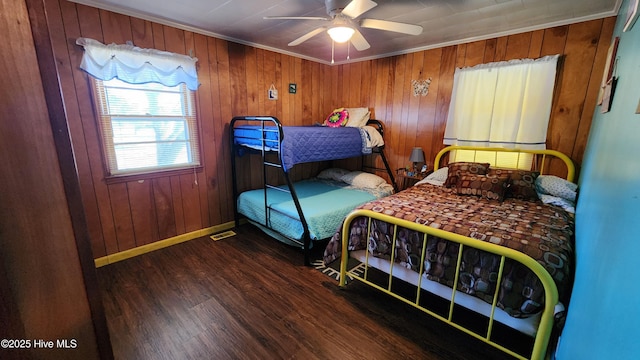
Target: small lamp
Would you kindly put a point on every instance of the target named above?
(417, 156)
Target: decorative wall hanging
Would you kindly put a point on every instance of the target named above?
(273, 92)
(607, 95)
(632, 15)
(421, 87)
(607, 76)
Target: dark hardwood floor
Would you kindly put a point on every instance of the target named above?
(250, 297)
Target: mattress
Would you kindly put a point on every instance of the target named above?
(302, 144)
(324, 203)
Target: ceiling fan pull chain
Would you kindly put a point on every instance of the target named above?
(348, 49)
(332, 50)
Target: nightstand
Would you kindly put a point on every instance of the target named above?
(405, 181)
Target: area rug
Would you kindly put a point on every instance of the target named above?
(333, 270)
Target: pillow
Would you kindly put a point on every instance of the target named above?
(358, 117)
(373, 137)
(556, 186)
(492, 188)
(523, 182)
(332, 174)
(458, 168)
(363, 179)
(567, 205)
(339, 117)
(437, 177)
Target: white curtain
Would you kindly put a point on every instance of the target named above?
(135, 65)
(504, 104)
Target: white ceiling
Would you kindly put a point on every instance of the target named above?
(445, 22)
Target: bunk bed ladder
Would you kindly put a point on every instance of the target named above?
(291, 191)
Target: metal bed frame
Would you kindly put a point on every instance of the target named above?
(543, 334)
(275, 126)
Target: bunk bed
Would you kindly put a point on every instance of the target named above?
(312, 209)
(510, 258)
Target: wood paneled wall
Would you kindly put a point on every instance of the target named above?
(235, 79)
(48, 284)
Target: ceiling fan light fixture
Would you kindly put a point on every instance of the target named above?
(341, 34)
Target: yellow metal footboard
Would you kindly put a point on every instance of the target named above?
(543, 333)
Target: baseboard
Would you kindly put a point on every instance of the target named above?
(127, 254)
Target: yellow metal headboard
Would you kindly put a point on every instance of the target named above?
(492, 156)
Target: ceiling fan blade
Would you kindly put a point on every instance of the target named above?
(307, 36)
(409, 29)
(358, 7)
(295, 18)
(359, 42)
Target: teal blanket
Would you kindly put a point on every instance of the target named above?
(324, 204)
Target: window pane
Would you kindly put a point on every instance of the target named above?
(159, 155)
(145, 100)
(142, 143)
(126, 130)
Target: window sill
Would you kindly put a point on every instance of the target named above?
(115, 179)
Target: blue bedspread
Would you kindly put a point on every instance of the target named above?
(302, 144)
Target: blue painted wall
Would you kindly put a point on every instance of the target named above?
(603, 321)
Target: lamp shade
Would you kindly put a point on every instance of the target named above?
(417, 156)
(341, 34)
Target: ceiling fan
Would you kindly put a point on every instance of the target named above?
(344, 26)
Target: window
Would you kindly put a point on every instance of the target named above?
(506, 104)
(146, 127)
(511, 160)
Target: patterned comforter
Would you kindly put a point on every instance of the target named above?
(541, 231)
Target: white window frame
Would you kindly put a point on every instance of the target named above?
(111, 147)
